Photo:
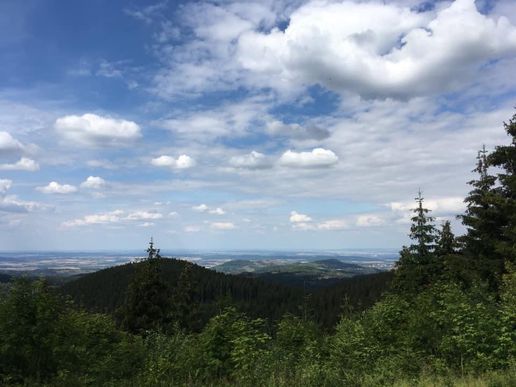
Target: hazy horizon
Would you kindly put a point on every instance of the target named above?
(171, 249)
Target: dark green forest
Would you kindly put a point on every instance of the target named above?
(105, 292)
(446, 314)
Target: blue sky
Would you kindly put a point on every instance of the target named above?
(233, 125)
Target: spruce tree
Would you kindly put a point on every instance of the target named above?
(147, 301)
(504, 157)
(184, 301)
(484, 219)
(416, 267)
(423, 232)
(452, 265)
(446, 242)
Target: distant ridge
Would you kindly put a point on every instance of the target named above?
(332, 266)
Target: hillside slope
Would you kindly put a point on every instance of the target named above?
(104, 291)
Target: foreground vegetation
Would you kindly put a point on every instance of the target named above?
(448, 318)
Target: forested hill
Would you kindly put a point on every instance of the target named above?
(357, 293)
(105, 291)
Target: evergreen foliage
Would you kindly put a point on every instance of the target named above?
(43, 338)
(148, 299)
(418, 264)
(29, 331)
(105, 291)
(211, 292)
(423, 232)
(447, 244)
(504, 158)
(185, 301)
(484, 220)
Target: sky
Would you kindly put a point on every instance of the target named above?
(287, 124)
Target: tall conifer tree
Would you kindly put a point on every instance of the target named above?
(423, 232)
(147, 302)
(484, 220)
(504, 157)
(416, 266)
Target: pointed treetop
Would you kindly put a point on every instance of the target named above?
(482, 163)
(419, 197)
(422, 230)
(153, 252)
(419, 200)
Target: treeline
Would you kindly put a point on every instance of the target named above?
(106, 291)
(209, 292)
(448, 318)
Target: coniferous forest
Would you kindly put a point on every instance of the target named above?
(446, 315)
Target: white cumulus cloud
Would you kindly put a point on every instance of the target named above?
(210, 210)
(8, 144)
(182, 162)
(200, 208)
(55, 188)
(217, 211)
(97, 131)
(377, 49)
(24, 164)
(296, 217)
(317, 158)
(93, 182)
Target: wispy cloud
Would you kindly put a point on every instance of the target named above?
(23, 164)
(116, 216)
(222, 226)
